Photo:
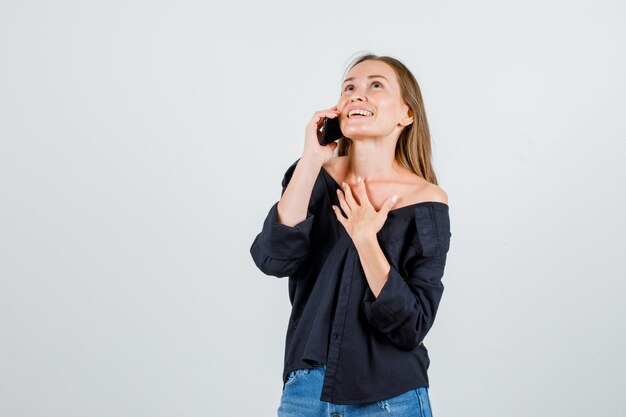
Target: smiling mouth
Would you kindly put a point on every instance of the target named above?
(359, 113)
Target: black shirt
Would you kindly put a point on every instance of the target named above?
(372, 347)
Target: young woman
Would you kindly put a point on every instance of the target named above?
(363, 238)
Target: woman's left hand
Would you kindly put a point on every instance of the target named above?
(363, 220)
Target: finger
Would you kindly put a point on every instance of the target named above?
(362, 192)
(334, 114)
(334, 111)
(344, 204)
(340, 217)
(328, 113)
(349, 197)
(388, 205)
(319, 115)
(335, 108)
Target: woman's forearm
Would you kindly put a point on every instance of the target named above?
(375, 264)
(293, 205)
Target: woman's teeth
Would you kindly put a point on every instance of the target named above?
(362, 113)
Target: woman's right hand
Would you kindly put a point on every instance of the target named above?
(312, 147)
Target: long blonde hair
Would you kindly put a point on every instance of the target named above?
(413, 149)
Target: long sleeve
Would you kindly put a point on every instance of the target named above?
(279, 250)
(407, 304)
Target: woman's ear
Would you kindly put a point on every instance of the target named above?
(408, 119)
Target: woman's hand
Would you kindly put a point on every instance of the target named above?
(363, 220)
(312, 147)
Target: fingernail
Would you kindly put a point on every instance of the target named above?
(358, 180)
(394, 198)
(344, 184)
(338, 191)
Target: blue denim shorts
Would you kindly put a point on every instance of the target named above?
(301, 398)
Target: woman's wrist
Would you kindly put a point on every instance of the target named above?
(312, 161)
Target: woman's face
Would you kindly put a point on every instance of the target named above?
(372, 85)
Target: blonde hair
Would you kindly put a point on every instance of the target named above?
(413, 149)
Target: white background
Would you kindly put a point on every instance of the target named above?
(143, 142)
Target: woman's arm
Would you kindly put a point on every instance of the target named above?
(294, 202)
(279, 249)
(283, 244)
(403, 304)
(375, 264)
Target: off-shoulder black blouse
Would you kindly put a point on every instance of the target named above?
(372, 347)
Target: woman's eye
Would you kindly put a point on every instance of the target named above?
(375, 82)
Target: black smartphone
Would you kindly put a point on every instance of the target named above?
(330, 131)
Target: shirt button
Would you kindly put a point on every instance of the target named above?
(336, 415)
(335, 338)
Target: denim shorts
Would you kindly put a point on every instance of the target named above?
(301, 398)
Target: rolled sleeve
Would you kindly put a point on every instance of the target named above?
(279, 250)
(406, 306)
(285, 242)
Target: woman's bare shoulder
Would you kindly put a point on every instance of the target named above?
(436, 193)
(423, 190)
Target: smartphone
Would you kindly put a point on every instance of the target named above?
(330, 131)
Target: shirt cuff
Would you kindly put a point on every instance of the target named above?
(280, 241)
(393, 306)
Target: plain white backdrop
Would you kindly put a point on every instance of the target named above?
(143, 142)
